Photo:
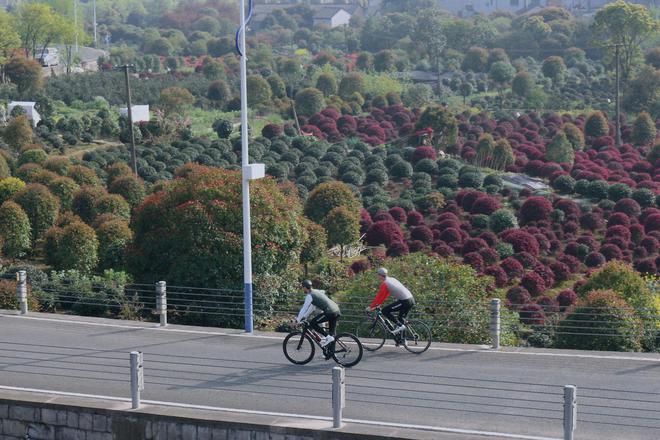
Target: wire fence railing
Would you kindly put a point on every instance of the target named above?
(442, 399)
(462, 321)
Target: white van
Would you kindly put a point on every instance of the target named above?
(49, 57)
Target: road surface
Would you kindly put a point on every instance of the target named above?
(517, 391)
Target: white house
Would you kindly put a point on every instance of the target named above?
(140, 113)
(30, 110)
(331, 16)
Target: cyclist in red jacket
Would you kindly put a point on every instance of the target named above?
(404, 300)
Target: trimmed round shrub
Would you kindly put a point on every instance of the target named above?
(475, 260)
(485, 205)
(401, 170)
(644, 196)
(602, 321)
(560, 271)
(517, 297)
(628, 206)
(566, 298)
(501, 220)
(130, 188)
(84, 202)
(521, 241)
(384, 232)
(327, 196)
(9, 186)
(533, 283)
(451, 236)
(619, 191)
(470, 180)
(398, 214)
(112, 204)
(512, 267)
(14, 230)
(113, 236)
(83, 175)
(421, 233)
(532, 314)
(565, 184)
(415, 218)
(652, 223)
(549, 305)
(501, 278)
(397, 249)
(535, 209)
(594, 259)
(359, 266)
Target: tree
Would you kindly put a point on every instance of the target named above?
(343, 227)
(77, 248)
(365, 61)
(130, 188)
(485, 150)
(350, 84)
(309, 101)
(476, 59)
(190, 232)
(574, 136)
(429, 31)
(652, 57)
(625, 24)
(277, 85)
(18, 132)
(444, 125)
(502, 155)
(219, 93)
(327, 196)
(33, 22)
(10, 40)
(643, 129)
(258, 90)
(218, 47)
(327, 83)
(314, 246)
(523, 84)
(14, 230)
(501, 73)
(26, 74)
(212, 69)
(554, 68)
(64, 189)
(643, 92)
(175, 100)
(41, 207)
(466, 90)
(113, 236)
(385, 61)
(560, 149)
(596, 125)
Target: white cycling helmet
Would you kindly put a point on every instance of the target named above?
(382, 271)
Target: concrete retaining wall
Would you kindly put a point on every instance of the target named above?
(37, 416)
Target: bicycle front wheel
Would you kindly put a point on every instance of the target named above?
(298, 348)
(347, 350)
(371, 333)
(416, 337)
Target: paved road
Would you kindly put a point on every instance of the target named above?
(464, 387)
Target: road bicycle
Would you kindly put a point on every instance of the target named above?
(416, 338)
(300, 346)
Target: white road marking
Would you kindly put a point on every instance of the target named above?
(279, 414)
(481, 349)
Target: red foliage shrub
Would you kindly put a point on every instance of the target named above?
(398, 214)
(498, 273)
(650, 243)
(560, 271)
(271, 131)
(347, 125)
(489, 255)
(594, 259)
(416, 246)
(568, 206)
(485, 205)
(441, 226)
(415, 218)
(397, 249)
(442, 249)
(545, 273)
(469, 198)
(526, 259)
(549, 305)
(566, 298)
(628, 206)
(532, 314)
(383, 216)
(421, 233)
(512, 267)
(618, 218)
(424, 153)
(384, 233)
(473, 245)
(570, 261)
(517, 297)
(591, 221)
(648, 266)
(360, 266)
(533, 283)
(489, 238)
(474, 260)
(618, 231)
(521, 241)
(451, 235)
(535, 209)
(611, 252)
(652, 223)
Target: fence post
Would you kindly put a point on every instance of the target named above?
(21, 291)
(137, 378)
(338, 396)
(161, 302)
(495, 323)
(570, 411)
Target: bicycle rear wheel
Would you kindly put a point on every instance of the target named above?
(298, 348)
(371, 333)
(416, 337)
(347, 350)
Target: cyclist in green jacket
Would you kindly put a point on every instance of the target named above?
(317, 299)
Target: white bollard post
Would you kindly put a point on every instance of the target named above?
(570, 411)
(21, 291)
(338, 396)
(161, 302)
(495, 329)
(137, 378)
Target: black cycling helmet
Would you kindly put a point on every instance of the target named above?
(307, 284)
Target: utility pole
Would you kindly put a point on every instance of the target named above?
(96, 42)
(75, 21)
(617, 99)
(126, 68)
